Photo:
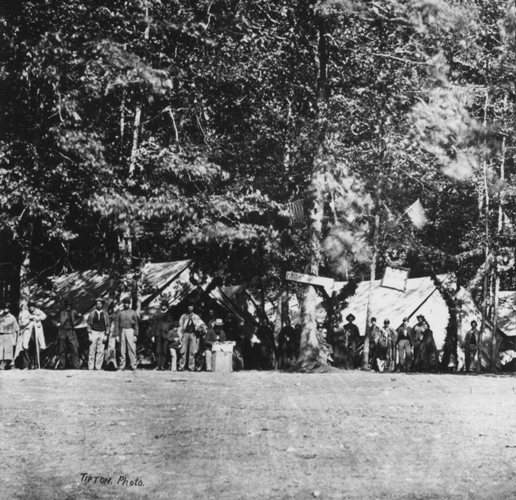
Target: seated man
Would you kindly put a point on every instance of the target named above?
(215, 334)
(172, 341)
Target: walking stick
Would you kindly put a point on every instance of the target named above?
(37, 348)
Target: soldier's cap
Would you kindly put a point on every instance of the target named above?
(386, 322)
(99, 299)
(126, 300)
(405, 319)
(474, 322)
(420, 316)
(164, 302)
(350, 317)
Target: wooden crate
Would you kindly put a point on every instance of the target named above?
(222, 361)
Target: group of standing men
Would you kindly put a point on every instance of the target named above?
(404, 349)
(24, 338)
(104, 333)
(18, 336)
(184, 345)
(189, 340)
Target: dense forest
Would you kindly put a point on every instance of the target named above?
(153, 130)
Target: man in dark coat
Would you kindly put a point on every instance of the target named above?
(418, 330)
(68, 320)
(161, 324)
(351, 337)
(428, 357)
(286, 345)
(264, 352)
(471, 344)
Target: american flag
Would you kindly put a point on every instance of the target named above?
(297, 211)
(417, 214)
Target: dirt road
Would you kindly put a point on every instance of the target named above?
(256, 435)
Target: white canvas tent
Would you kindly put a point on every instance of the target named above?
(507, 313)
(83, 288)
(421, 296)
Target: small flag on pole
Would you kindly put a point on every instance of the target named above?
(506, 221)
(297, 211)
(417, 214)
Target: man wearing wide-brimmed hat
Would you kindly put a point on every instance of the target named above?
(98, 328)
(351, 336)
(215, 334)
(68, 320)
(161, 324)
(126, 325)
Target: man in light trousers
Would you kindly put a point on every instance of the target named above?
(127, 327)
(191, 327)
(98, 328)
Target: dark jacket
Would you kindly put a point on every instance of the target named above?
(91, 318)
(211, 337)
(69, 319)
(161, 324)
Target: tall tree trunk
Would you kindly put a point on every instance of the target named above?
(136, 138)
(374, 258)
(309, 346)
(309, 351)
(25, 268)
(487, 246)
(494, 343)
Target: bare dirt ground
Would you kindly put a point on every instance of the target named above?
(256, 435)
